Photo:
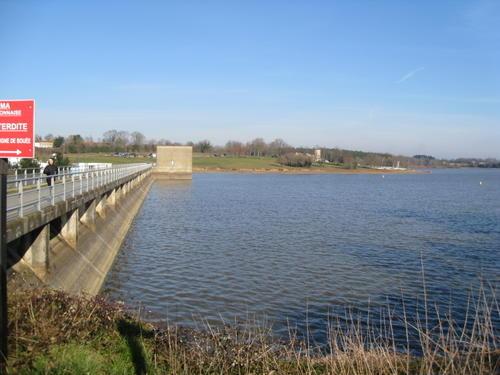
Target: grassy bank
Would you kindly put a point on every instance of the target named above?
(52, 332)
(105, 158)
(210, 163)
(201, 161)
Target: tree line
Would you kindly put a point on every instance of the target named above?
(119, 141)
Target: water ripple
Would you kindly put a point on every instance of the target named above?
(296, 249)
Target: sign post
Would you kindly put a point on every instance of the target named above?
(17, 130)
(4, 167)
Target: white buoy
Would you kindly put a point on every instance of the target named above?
(480, 182)
(383, 176)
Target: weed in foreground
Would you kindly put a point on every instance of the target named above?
(53, 332)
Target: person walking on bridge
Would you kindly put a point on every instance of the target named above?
(50, 170)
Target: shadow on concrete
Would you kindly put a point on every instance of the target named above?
(17, 249)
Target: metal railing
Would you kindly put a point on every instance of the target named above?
(31, 194)
(29, 175)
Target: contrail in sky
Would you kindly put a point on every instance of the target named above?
(409, 75)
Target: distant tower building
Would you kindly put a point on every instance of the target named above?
(174, 162)
(317, 155)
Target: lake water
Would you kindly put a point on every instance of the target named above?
(297, 250)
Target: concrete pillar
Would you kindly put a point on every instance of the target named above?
(111, 200)
(88, 217)
(119, 193)
(37, 255)
(101, 207)
(69, 228)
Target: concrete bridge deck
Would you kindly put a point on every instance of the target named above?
(35, 204)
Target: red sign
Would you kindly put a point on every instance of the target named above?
(17, 128)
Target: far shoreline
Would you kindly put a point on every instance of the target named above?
(308, 171)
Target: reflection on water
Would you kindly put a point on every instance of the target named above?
(296, 249)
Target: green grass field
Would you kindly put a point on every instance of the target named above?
(234, 163)
(199, 161)
(105, 158)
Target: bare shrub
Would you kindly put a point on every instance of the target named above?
(295, 160)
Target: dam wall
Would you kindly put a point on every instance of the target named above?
(74, 253)
(71, 244)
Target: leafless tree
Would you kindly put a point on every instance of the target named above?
(278, 147)
(137, 139)
(235, 148)
(110, 136)
(257, 147)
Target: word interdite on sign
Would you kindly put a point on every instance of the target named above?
(17, 128)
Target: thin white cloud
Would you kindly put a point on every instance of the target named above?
(472, 100)
(409, 75)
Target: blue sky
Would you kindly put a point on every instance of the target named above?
(404, 77)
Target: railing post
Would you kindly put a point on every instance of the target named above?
(80, 176)
(39, 203)
(73, 184)
(25, 176)
(21, 201)
(64, 186)
(87, 176)
(52, 192)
